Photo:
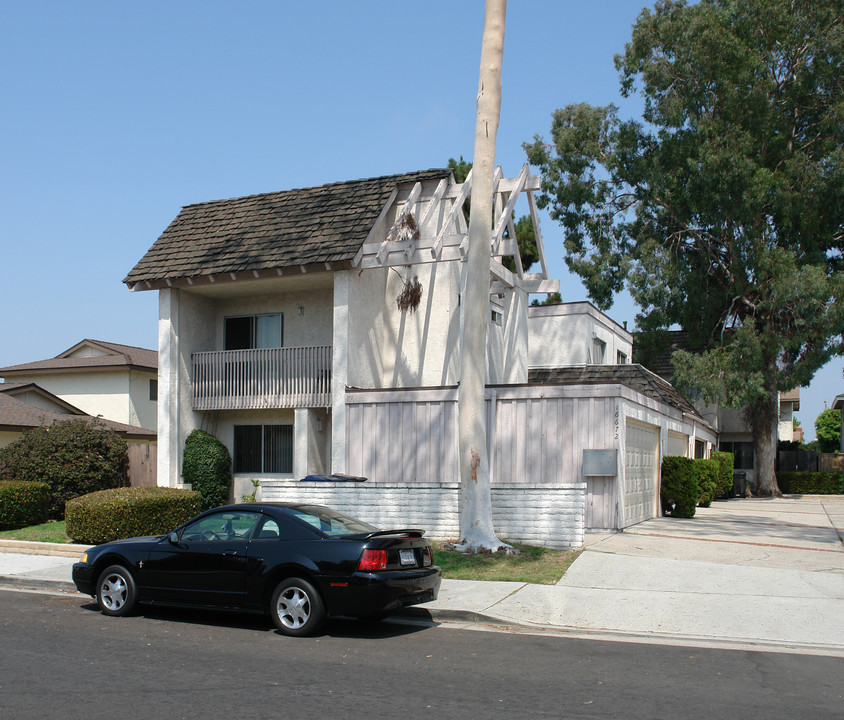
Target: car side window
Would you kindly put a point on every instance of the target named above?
(221, 527)
(269, 530)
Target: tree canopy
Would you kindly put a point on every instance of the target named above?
(722, 209)
(828, 428)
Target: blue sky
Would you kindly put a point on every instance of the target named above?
(116, 114)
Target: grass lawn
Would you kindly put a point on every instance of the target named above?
(53, 532)
(533, 565)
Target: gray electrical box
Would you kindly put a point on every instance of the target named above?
(600, 462)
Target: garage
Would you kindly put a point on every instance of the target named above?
(641, 472)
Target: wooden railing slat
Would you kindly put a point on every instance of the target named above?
(263, 378)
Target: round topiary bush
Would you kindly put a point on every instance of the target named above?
(74, 457)
(207, 467)
(128, 512)
(23, 504)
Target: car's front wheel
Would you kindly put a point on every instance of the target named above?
(116, 591)
(297, 608)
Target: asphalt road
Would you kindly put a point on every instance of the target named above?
(60, 658)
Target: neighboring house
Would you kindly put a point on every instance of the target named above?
(575, 333)
(107, 380)
(116, 384)
(734, 434)
(281, 333)
(24, 406)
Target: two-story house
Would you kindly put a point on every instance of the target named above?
(317, 331)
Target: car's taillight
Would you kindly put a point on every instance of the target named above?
(427, 556)
(373, 560)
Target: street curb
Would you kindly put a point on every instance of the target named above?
(22, 582)
(28, 547)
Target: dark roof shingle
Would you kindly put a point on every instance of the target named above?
(633, 376)
(327, 223)
(120, 356)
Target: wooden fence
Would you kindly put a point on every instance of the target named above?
(143, 464)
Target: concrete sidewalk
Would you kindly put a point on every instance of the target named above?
(761, 573)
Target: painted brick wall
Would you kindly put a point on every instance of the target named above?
(547, 515)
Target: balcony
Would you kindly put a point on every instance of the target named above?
(287, 377)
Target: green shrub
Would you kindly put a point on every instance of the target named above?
(74, 457)
(207, 467)
(679, 491)
(726, 463)
(23, 504)
(707, 481)
(129, 512)
(811, 483)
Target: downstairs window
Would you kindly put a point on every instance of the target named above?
(263, 449)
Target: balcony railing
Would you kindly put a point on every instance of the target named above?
(286, 377)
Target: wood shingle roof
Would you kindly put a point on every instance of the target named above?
(323, 224)
(633, 376)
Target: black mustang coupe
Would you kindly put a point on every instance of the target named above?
(300, 563)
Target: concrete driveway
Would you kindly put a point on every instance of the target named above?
(796, 532)
(756, 572)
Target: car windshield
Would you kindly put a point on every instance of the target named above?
(331, 522)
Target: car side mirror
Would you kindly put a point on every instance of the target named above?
(174, 538)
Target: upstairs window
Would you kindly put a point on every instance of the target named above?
(249, 332)
(621, 358)
(599, 351)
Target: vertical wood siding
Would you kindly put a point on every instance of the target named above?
(535, 439)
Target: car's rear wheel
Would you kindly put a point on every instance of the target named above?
(297, 608)
(116, 591)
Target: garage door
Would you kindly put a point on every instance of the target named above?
(640, 472)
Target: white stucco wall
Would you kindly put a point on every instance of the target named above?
(390, 348)
(186, 325)
(562, 335)
(507, 342)
(307, 315)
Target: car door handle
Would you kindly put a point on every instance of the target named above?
(229, 552)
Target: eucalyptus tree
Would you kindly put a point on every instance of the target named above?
(476, 530)
(722, 209)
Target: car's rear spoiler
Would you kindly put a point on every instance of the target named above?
(411, 532)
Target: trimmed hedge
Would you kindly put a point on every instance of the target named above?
(207, 467)
(726, 465)
(23, 504)
(129, 512)
(679, 492)
(707, 480)
(811, 483)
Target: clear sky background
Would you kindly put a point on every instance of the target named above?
(116, 114)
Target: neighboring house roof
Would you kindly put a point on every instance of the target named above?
(116, 356)
(838, 403)
(17, 415)
(633, 376)
(324, 224)
(22, 390)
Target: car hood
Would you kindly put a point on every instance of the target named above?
(136, 542)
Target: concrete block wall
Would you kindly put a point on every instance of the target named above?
(535, 514)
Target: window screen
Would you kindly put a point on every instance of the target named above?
(263, 449)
